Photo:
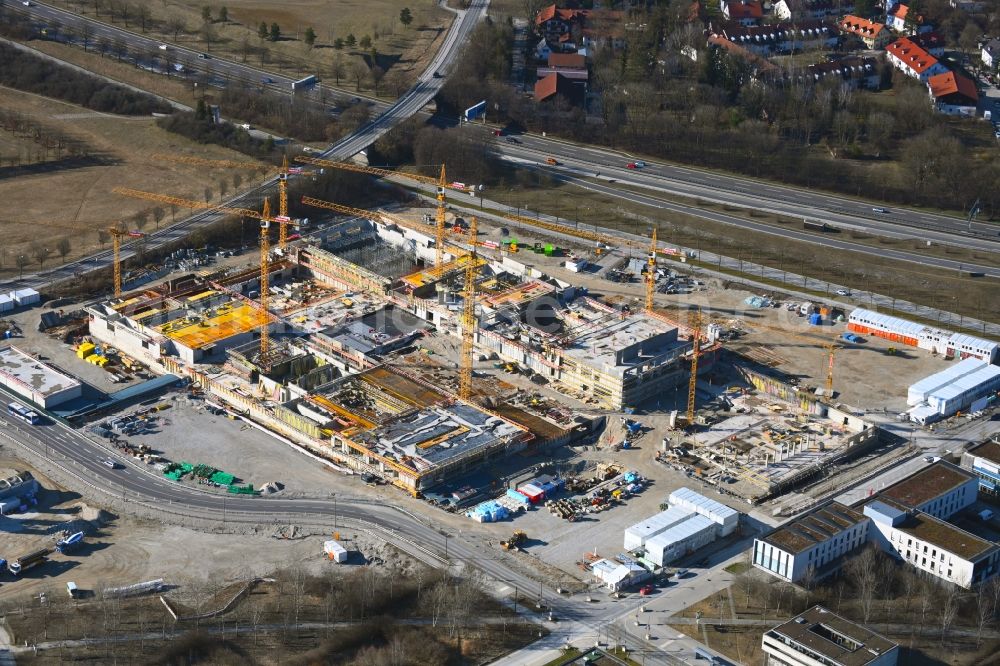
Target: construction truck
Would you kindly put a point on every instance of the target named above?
(69, 543)
(25, 562)
(515, 542)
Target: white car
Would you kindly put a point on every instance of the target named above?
(843, 292)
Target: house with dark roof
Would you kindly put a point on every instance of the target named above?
(854, 72)
(556, 85)
(953, 94)
(767, 40)
(990, 53)
(819, 636)
(804, 10)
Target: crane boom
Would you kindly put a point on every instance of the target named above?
(283, 202)
(186, 203)
(371, 171)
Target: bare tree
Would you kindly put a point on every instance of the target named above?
(176, 25)
(237, 180)
(863, 569)
(949, 608)
(63, 247)
(984, 609)
(223, 188)
(140, 219)
(359, 72)
(21, 261)
(208, 194)
(158, 214)
(40, 252)
(86, 34)
(337, 69)
(103, 236)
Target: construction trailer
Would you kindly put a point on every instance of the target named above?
(334, 551)
(967, 385)
(34, 380)
(937, 341)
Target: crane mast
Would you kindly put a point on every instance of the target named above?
(439, 220)
(651, 273)
(265, 270)
(468, 319)
(694, 320)
(283, 202)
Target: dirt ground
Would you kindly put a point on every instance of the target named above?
(121, 551)
(405, 49)
(75, 203)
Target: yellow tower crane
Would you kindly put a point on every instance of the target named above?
(265, 249)
(117, 231)
(282, 218)
(694, 322)
(651, 273)
(831, 349)
(468, 319)
(441, 182)
(265, 272)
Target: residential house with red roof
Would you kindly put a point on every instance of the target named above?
(556, 85)
(911, 59)
(874, 35)
(746, 12)
(953, 94)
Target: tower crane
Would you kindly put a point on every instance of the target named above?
(117, 231)
(441, 182)
(282, 217)
(694, 321)
(265, 250)
(830, 346)
(651, 273)
(468, 320)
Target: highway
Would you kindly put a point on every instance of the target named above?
(761, 195)
(408, 104)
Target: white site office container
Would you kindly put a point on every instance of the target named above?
(923, 389)
(636, 535)
(727, 518)
(25, 297)
(681, 540)
(335, 551)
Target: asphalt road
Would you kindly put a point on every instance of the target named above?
(410, 103)
(761, 195)
(72, 450)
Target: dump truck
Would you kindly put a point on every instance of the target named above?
(515, 542)
(21, 564)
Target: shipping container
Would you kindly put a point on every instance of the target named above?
(335, 551)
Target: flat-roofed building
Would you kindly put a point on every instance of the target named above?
(931, 544)
(983, 460)
(812, 543)
(34, 380)
(819, 637)
(940, 489)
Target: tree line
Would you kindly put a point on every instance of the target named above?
(722, 112)
(51, 144)
(30, 73)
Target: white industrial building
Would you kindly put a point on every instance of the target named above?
(819, 637)
(931, 544)
(907, 519)
(934, 340)
(966, 385)
(814, 543)
(637, 535)
(691, 522)
(619, 575)
(683, 538)
(728, 519)
(38, 382)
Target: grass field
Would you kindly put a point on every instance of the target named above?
(403, 51)
(45, 207)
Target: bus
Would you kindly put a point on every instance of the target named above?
(20, 411)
